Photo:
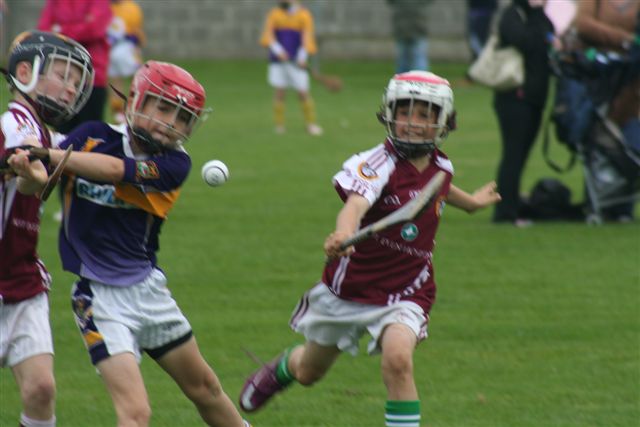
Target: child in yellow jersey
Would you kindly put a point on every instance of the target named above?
(289, 36)
(126, 37)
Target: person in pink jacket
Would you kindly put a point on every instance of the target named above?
(87, 23)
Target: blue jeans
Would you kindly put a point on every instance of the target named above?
(412, 55)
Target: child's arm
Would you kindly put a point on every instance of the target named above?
(94, 166)
(481, 198)
(347, 223)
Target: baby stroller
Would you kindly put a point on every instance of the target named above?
(611, 166)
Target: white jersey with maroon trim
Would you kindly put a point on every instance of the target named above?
(22, 274)
(395, 264)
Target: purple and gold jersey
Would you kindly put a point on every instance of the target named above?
(110, 230)
(292, 30)
(395, 264)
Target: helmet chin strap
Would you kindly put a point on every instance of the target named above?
(146, 142)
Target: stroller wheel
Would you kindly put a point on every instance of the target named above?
(594, 219)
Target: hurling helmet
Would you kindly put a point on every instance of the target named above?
(415, 86)
(167, 83)
(41, 49)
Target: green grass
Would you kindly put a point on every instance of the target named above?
(532, 327)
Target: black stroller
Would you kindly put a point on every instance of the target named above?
(611, 166)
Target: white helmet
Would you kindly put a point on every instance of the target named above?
(418, 86)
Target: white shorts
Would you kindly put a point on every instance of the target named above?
(24, 330)
(328, 320)
(142, 317)
(124, 59)
(284, 75)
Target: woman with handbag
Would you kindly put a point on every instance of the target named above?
(525, 26)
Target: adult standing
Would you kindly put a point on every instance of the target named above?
(86, 22)
(612, 25)
(479, 16)
(409, 25)
(524, 26)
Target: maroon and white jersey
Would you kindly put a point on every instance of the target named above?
(395, 264)
(22, 274)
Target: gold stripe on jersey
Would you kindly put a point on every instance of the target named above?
(157, 203)
(301, 21)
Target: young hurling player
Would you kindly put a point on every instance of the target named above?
(127, 178)
(50, 78)
(289, 35)
(385, 285)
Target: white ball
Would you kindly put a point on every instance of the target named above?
(215, 173)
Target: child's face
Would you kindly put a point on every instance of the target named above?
(165, 121)
(61, 83)
(416, 122)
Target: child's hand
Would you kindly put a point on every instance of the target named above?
(283, 56)
(25, 168)
(332, 245)
(486, 195)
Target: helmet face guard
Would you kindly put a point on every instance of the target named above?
(167, 96)
(61, 74)
(405, 92)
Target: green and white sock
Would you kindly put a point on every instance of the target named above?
(283, 375)
(402, 413)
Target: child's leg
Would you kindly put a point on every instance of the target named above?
(305, 363)
(398, 342)
(309, 363)
(278, 108)
(200, 384)
(124, 383)
(309, 112)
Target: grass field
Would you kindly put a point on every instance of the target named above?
(532, 327)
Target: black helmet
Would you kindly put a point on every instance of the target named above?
(41, 49)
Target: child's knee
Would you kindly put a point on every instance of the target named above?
(40, 393)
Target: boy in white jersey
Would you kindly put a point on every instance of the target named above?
(50, 77)
(129, 176)
(384, 285)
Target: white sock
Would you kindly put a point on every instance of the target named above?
(29, 422)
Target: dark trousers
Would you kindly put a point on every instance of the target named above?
(519, 123)
(93, 110)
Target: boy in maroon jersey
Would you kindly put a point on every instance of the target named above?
(50, 77)
(384, 285)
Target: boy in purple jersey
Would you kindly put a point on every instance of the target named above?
(385, 285)
(50, 78)
(125, 180)
(289, 35)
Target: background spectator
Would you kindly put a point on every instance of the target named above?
(479, 16)
(409, 23)
(611, 26)
(525, 26)
(86, 22)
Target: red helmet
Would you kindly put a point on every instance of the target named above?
(164, 82)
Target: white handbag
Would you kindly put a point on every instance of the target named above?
(498, 68)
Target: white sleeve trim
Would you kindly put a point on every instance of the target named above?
(276, 48)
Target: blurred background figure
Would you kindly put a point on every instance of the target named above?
(479, 16)
(126, 36)
(86, 22)
(4, 9)
(289, 35)
(524, 26)
(612, 25)
(409, 25)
